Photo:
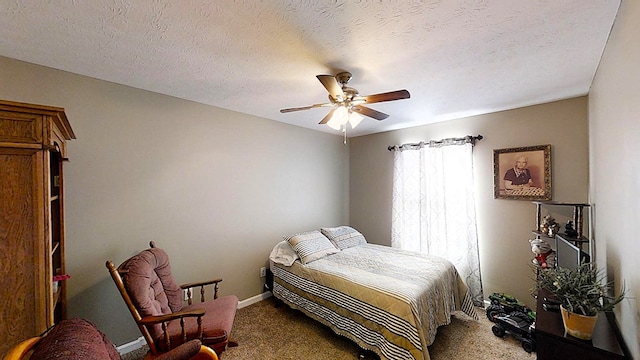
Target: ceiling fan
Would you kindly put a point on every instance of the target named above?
(347, 104)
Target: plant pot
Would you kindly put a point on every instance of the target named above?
(576, 325)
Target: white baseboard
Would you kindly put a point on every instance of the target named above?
(254, 299)
(131, 346)
(140, 342)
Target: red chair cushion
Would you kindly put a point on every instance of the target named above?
(152, 288)
(75, 339)
(185, 351)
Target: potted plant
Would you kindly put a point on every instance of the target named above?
(582, 292)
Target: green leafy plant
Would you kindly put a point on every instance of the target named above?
(582, 290)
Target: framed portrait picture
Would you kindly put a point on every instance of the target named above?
(522, 173)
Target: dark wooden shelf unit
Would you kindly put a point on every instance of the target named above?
(578, 222)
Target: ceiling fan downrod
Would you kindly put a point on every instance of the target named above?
(343, 78)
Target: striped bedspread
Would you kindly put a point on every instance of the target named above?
(386, 300)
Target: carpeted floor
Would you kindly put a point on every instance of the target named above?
(266, 332)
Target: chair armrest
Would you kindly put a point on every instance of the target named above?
(201, 284)
(207, 353)
(188, 350)
(163, 319)
(19, 351)
(156, 319)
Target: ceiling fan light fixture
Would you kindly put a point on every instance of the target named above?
(354, 119)
(339, 118)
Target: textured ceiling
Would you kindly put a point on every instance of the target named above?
(456, 57)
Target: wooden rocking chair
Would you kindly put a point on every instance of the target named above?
(156, 302)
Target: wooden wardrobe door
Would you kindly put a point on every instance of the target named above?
(21, 251)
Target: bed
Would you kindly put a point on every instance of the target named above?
(385, 300)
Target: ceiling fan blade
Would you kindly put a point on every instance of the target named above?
(328, 117)
(388, 96)
(304, 108)
(331, 84)
(370, 112)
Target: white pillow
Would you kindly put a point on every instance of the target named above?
(344, 236)
(283, 254)
(311, 246)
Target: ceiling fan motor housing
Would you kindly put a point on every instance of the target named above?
(349, 94)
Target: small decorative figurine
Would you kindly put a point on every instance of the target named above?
(549, 226)
(545, 256)
(569, 230)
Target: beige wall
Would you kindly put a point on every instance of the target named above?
(504, 226)
(614, 122)
(215, 188)
(151, 167)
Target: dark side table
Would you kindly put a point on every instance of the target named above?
(552, 343)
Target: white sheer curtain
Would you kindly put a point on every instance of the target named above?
(433, 209)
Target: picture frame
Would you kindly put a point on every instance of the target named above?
(522, 173)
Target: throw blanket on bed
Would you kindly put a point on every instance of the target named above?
(386, 300)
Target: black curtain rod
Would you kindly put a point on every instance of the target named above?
(469, 138)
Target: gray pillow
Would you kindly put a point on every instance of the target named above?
(311, 245)
(344, 236)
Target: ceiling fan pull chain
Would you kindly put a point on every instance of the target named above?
(344, 131)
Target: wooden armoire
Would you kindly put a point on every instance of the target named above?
(32, 153)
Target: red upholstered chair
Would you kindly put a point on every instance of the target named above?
(156, 302)
(80, 339)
